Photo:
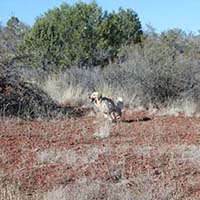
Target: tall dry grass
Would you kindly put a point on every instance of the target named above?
(153, 76)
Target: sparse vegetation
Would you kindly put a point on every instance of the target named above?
(51, 148)
(158, 160)
(148, 70)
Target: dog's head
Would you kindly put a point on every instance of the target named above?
(95, 96)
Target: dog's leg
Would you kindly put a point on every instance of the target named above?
(113, 117)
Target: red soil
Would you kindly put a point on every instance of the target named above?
(148, 153)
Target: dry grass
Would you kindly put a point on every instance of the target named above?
(10, 193)
(55, 156)
(89, 158)
(143, 186)
(63, 91)
(186, 107)
(135, 85)
(154, 177)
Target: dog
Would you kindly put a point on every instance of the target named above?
(107, 106)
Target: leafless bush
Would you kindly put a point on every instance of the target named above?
(153, 75)
(142, 81)
(162, 75)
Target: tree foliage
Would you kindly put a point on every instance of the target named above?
(81, 35)
(120, 29)
(11, 37)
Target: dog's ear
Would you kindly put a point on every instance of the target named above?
(99, 96)
(90, 94)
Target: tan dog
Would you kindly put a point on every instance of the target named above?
(107, 106)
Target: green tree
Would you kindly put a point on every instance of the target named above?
(83, 33)
(11, 37)
(65, 36)
(14, 32)
(118, 30)
(43, 43)
(80, 35)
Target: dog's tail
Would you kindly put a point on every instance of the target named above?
(120, 103)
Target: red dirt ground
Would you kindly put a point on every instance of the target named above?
(148, 155)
